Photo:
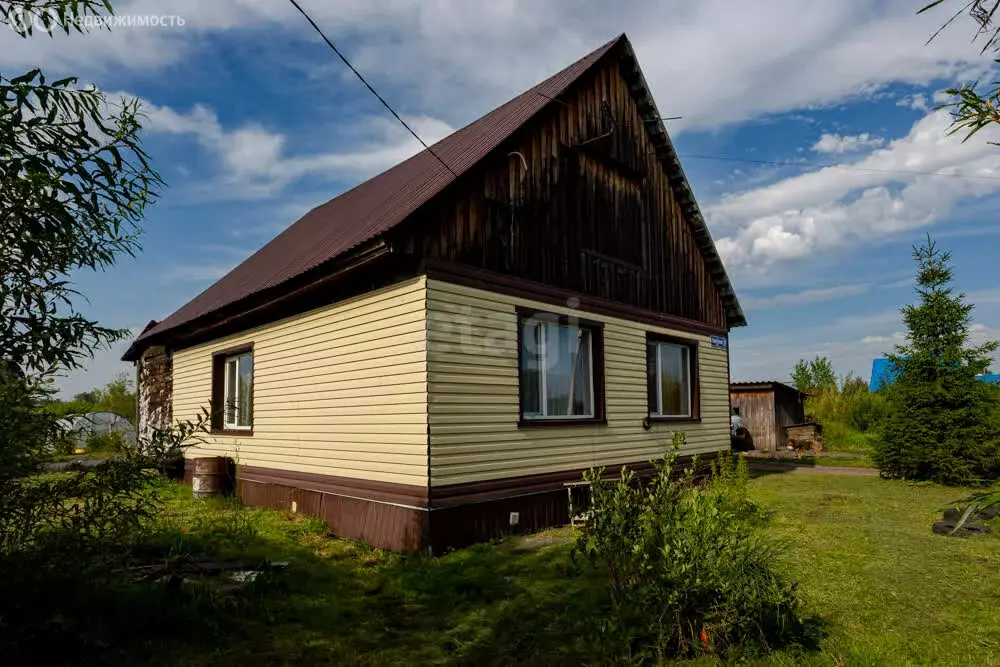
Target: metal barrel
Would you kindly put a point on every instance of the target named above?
(211, 476)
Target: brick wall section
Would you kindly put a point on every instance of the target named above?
(154, 390)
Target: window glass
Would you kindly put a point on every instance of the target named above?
(672, 380)
(531, 376)
(237, 391)
(245, 391)
(557, 377)
(231, 388)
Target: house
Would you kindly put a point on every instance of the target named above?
(884, 374)
(768, 409)
(428, 359)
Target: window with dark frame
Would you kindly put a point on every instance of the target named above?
(232, 390)
(672, 370)
(561, 369)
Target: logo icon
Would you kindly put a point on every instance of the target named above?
(23, 20)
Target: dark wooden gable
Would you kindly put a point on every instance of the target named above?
(577, 200)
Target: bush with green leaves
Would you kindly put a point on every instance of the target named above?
(117, 396)
(867, 411)
(815, 375)
(941, 423)
(75, 185)
(110, 442)
(689, 570)
(850, 415)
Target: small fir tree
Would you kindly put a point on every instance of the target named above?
(940, 418)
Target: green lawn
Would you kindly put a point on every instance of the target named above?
(840, 437)
(836, 460)
(885, 590)
(888, 590)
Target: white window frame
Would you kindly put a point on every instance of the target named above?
(659, 381)
(235, 425)
(543, 402)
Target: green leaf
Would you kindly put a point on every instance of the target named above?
(930, 6)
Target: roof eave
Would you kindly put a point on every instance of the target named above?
(667, 154)
(333, 270)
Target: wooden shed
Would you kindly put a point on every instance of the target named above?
(767, 410)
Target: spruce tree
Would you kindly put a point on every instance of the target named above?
(940, 425)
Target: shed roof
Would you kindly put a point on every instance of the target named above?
(383, 202)
(762, 385)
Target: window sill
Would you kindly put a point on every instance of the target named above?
(590, 421)
(231, 431)
(654, 419)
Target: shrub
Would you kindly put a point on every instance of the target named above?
(688, 568)
(63, 534)
(108, 442)
(867, 411)
(850, 416)
(852, 385)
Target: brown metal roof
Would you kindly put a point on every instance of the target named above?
(381, 203)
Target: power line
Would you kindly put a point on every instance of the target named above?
(820, 165)
(369, 86)
(724, 158)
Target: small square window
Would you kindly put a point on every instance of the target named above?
(673, 379)
(560, 368)
(232, 390)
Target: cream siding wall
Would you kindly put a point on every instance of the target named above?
(473, 395)
(341, 390)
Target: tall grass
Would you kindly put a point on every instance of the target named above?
(850, 416)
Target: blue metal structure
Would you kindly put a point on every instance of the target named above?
(884, 374)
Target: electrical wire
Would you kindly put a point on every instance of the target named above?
(688, 156)
(369, 86)
(820, 165)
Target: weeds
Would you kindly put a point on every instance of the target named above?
(849, 416)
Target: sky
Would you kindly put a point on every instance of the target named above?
(812, 141)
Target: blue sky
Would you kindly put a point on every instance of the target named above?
(252, 121)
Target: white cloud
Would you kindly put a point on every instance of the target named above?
(256, 163)
(885, 193)
(894, 339)
(980, 333)
(941, 97)
(916, 102)
(712, 62)
(836, 143)
(803, 298)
